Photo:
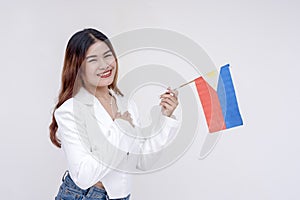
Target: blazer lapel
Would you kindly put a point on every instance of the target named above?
(95, 107)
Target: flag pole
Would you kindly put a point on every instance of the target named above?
(184, 84)
(212, 73)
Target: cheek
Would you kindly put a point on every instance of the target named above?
(89, 77)
(90, 71)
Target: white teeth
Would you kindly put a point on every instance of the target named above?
(104, 74)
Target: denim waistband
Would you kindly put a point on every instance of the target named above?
(90, 192)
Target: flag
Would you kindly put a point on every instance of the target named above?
(220, 106)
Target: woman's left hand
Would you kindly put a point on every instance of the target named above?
(169, 101)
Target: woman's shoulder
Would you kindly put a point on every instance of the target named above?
(66, 107)
(70, 104)
(74, 106)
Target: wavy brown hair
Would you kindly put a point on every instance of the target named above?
(75, 54)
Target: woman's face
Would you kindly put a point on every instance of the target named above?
(99, 66)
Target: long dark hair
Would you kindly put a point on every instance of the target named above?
(75, 54)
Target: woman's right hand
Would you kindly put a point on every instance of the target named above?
(169, 102)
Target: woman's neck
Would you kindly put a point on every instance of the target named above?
(100, 92)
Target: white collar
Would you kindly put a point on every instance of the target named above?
(99, 112)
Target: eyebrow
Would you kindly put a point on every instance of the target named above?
(91, 56)
(94, 56)
(107, 52)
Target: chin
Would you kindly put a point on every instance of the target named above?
(106, 83)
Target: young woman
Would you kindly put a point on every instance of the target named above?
(89, 95)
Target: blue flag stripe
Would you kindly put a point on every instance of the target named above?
(227, 97)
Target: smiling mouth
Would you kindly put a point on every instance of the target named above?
(105, 74)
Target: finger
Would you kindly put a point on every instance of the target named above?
(127, 114)
(169, 96)
(175, 92)
(170, 102)
(172, 92)
(167, 107)
(118, 115)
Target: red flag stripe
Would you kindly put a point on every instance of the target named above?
(211, 106)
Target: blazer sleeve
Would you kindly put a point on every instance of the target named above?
(150, 148)
(84, 169)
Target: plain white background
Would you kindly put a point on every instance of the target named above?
(260, 39)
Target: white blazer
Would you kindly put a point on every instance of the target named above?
(98, 148)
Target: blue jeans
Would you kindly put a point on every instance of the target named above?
(70, 191)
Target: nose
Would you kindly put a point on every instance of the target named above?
(103, 65)
(103, 68)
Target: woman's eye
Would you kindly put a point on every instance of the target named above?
(93, 60)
